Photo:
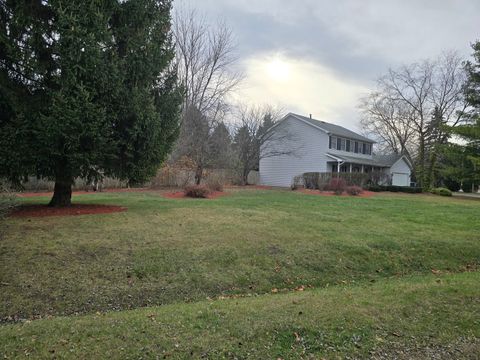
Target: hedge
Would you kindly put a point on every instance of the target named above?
(393, 188)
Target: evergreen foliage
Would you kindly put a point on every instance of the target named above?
(87, 90)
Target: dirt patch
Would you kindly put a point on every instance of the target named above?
(364, 194)
(181, 195)
(40, 210)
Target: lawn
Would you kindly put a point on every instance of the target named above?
(374, 271)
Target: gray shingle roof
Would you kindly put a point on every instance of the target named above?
(376, 160)
(333, 129)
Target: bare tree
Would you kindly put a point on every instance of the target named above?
(411, 105)
(390, 123)
(257, 137)
(206, 68)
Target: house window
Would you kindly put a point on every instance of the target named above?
(339, 143)
(348, 145)
(356, 147)
(333, 142)
(342, 144)
(364, 148)
(368, 149)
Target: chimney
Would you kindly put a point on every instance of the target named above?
(310, 116)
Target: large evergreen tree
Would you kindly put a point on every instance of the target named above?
(470, 131)
(87, 89)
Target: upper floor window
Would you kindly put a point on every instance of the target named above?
(333, 142)
(342, 144)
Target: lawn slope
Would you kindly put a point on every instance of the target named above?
(163, 251)
(439, 313)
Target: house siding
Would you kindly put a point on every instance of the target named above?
(309, 145)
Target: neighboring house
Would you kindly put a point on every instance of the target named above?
(317, 146)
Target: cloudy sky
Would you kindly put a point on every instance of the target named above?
(320, 56)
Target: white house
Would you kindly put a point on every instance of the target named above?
(299, 144)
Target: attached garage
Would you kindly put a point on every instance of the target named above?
(400, 172)
(400, 179)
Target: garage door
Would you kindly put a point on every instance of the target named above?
(399, 179)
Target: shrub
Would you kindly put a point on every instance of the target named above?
(297, 182)
(196, 191)
(214, 184)
(393, 188)
(311, 179)
(441, 191)
(337, 185)
(354, 190)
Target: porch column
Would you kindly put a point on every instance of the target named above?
(350, 167)
(362, 169)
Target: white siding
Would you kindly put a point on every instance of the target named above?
(310, 146)
(400, 172)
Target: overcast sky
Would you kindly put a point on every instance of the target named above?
(320, 56)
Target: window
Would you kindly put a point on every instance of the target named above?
(343, 141)
(339, 144)
(356, 147)
(333, 142)
(368, 149)
(348, 145)
(364, 148)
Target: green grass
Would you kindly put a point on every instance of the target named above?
(329, 322)
(166, 251)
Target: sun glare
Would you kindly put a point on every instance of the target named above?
(278, 69)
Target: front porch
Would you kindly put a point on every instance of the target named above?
(348, 164)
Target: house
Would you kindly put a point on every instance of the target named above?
(299, 144)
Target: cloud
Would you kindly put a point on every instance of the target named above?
(337, 49)
(299, 85)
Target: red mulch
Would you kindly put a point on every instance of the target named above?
(181, 195)
(364, 194)
(50, 193)
(40, 210)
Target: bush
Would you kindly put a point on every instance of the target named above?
(337, 185)
(354, 190)
(441, 191)
(393, 188)
(214, 184)
(297, 182)
(196, 191)
(310, 180)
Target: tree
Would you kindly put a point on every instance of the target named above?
(206, 61)
(87, 90)
(220, 147)
(253, 141)
(469, 130)
(400, 111)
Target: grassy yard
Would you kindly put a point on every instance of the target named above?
(382, 270)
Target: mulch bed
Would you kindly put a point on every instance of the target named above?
(81, 192)
(40, 210)
(364, 194)
(181, 195)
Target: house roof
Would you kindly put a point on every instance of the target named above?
(376, 160)
(332, 128)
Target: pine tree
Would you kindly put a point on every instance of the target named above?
(470, 131)
(87, 89)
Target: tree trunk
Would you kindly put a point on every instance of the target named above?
(62, 194)
(421, 156)
(431, 169)
(245, 177)
(198, 174)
